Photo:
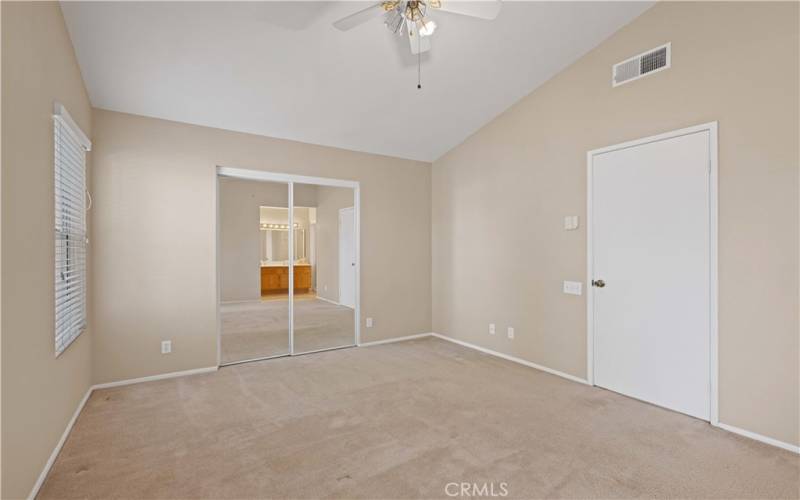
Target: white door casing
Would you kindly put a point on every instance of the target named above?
(652, 241)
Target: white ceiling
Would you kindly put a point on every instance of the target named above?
(280, 69)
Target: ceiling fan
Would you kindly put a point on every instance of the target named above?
(411, 17)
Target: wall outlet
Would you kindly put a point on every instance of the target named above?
(573, 287)
(369, 322)
(491, 329)
(325, 288)
(571, 222)
(166, 346)
(511, 332)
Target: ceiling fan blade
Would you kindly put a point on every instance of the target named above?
(483, 9)
(419, 43)
(359, 17)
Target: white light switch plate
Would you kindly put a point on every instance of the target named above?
(511, 332)
(369, 322)
(573, 287)
(166, 346)
(571, 222)
(491, 329)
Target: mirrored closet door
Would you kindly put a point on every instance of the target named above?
(288, 265)
(324, 292)
(254, 270)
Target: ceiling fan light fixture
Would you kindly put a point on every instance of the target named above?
(426, 28)
(394, 21)
(415, 10)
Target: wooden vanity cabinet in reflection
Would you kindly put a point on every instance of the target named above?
(275, 279)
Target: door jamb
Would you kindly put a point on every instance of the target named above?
(711, 127)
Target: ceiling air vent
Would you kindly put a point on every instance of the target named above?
(644, 64)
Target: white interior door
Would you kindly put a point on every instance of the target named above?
(651, 246)
(347, 257)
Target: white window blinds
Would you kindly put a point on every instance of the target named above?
(71, 145)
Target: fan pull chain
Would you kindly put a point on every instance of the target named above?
(419, 70)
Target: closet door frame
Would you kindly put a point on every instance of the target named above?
(291, 180)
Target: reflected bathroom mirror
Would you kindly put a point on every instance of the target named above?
(275, 235)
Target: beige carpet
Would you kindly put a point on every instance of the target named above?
(260, 329)
(400, 421)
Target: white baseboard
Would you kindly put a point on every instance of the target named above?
(512, 358)
(161, 376)
(758, 437)
(50, 461)
(394, 339)
(327, 300)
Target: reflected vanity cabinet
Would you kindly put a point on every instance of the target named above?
(275, 279)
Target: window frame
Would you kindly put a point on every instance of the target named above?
(70, 229)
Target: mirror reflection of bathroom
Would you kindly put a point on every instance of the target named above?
(274, 227)
(254, 324)
(325, 269)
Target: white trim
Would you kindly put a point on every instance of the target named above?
(713, 311)
(290, 253)
(589, 274)
(60, 113)
(324, 349)
(50, 461)
(758, 437)
(316, 296)
(396, 339)
(250, 360)
(357, 207)
(711, 128)
(512, 358)
(261, 175)
(151, 378)
(218, 273)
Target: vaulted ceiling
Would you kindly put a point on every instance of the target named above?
(281, 69)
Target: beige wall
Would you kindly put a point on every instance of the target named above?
(239, 244)
(40, 393)
(329, 201)
(155, 274)
(732, 62)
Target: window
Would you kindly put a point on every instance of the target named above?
(71, 145)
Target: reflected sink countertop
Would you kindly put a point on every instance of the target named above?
(281, 263)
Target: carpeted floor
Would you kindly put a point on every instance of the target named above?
(260, 329)
(400, 421)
